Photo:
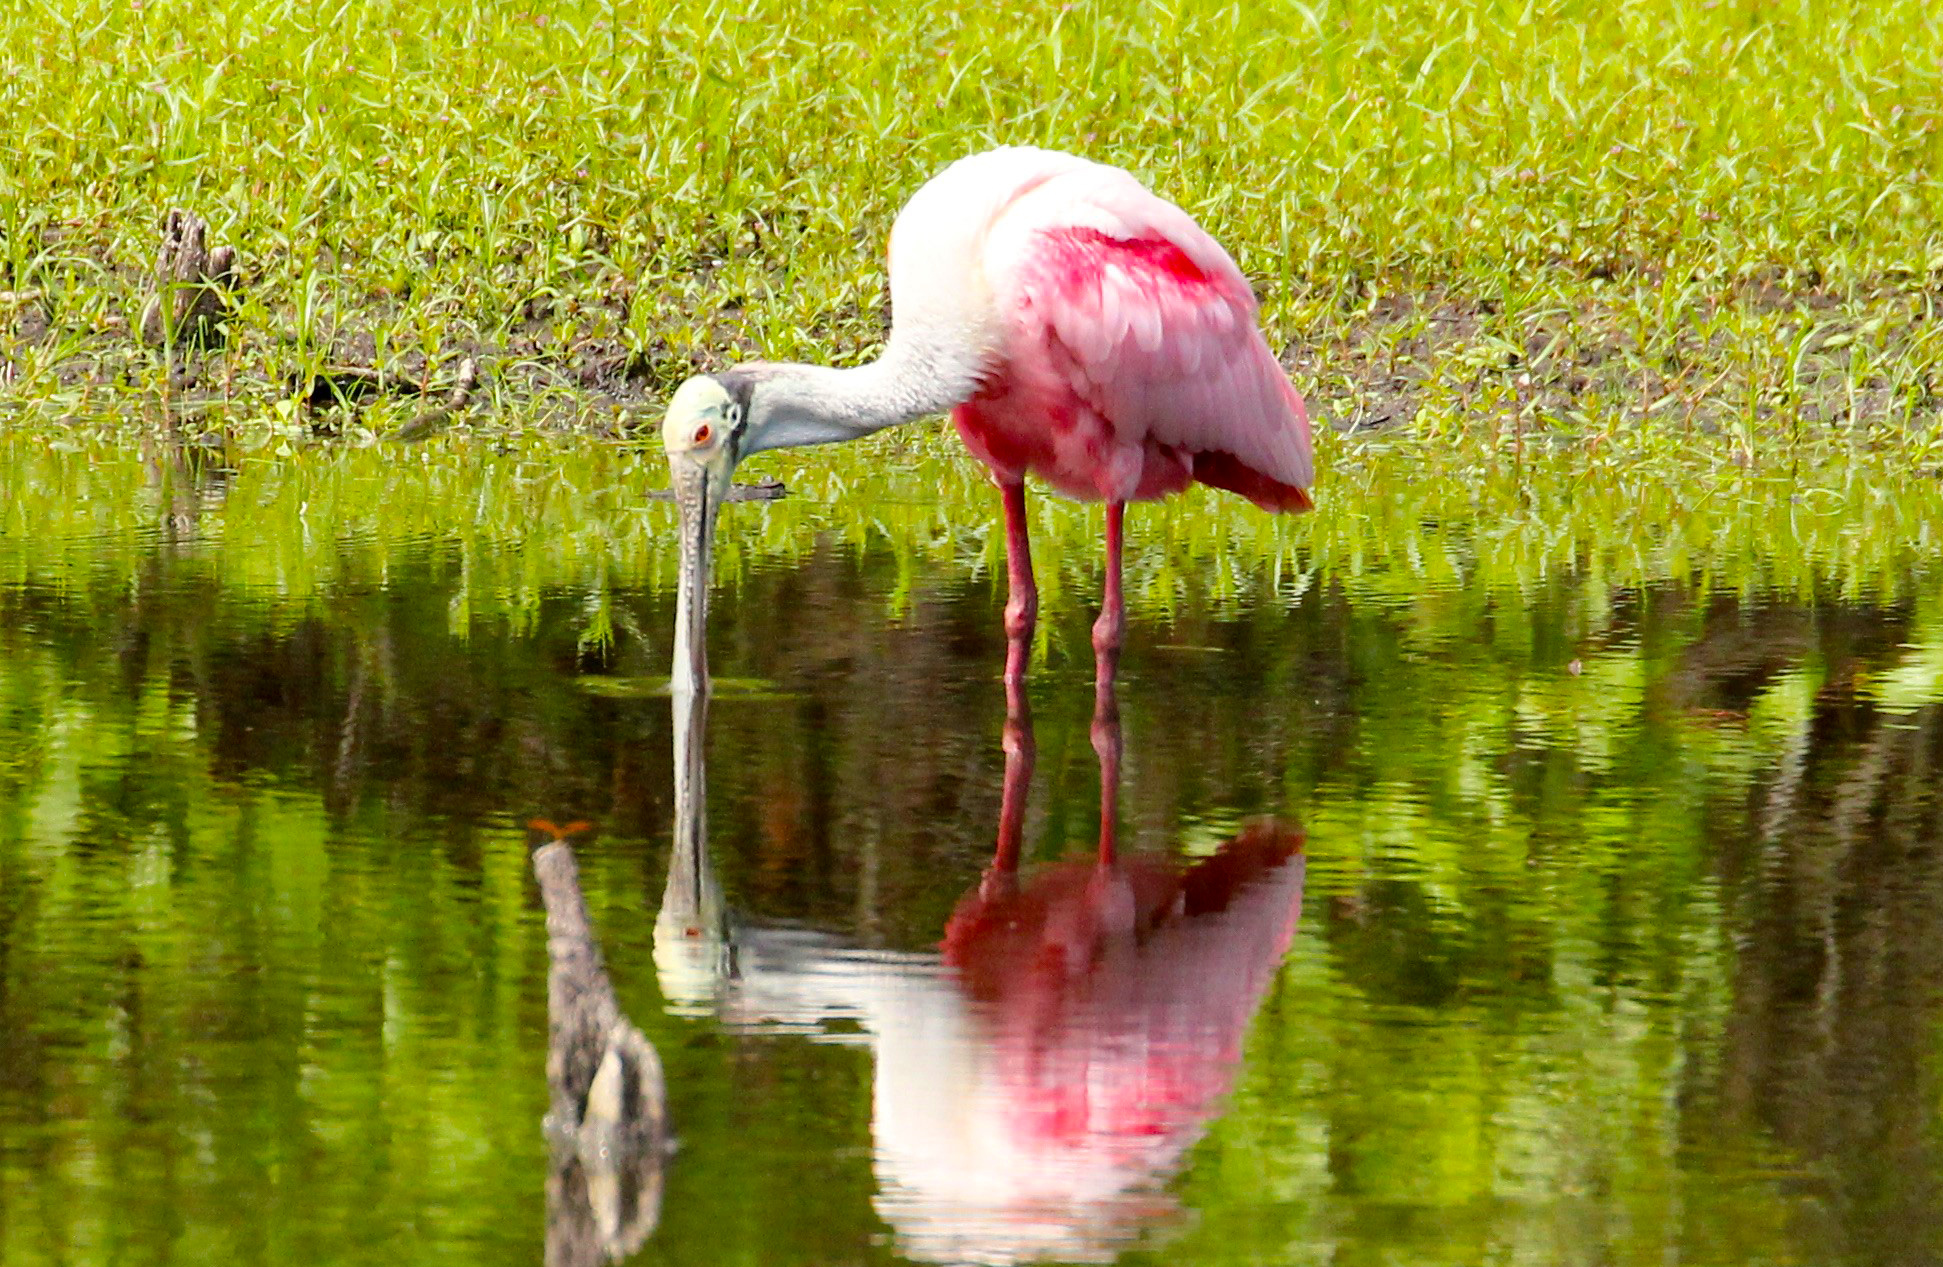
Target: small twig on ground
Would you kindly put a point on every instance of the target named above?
(437, 419)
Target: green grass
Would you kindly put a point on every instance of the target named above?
(1645, 290)
(1704, 216)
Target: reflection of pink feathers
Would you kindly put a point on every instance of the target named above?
(1118, 999)
(1129, 362)
(1031, 1100)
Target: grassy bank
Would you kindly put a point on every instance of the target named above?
(1484, 217)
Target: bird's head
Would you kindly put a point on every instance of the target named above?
(716, 420)
(702, 435)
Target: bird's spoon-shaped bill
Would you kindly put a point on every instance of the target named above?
(691, 483)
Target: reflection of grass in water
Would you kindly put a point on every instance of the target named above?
(1434, 529)
(1399, 522)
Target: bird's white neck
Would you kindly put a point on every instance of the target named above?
(795, 405)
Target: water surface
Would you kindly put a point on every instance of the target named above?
(1540, 913)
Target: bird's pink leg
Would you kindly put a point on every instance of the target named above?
(1113, 608)
(1022, 602)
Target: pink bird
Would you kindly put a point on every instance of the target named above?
(1078, 328)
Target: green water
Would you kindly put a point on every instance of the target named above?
(1620, 931)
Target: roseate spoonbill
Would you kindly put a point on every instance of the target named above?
(1079, 328)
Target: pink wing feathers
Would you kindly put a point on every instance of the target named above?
(1131, 334)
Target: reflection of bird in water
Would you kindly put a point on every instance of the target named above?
(1078, 328)
(607, 1122)
(1112, 1005)
(1038, 1083)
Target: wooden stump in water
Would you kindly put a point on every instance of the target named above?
(192, 286)
(608, 1123)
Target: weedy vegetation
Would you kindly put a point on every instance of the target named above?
(1539, 249)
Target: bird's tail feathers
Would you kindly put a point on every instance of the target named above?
(1225, 470)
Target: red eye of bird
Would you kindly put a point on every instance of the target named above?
(702, 433)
